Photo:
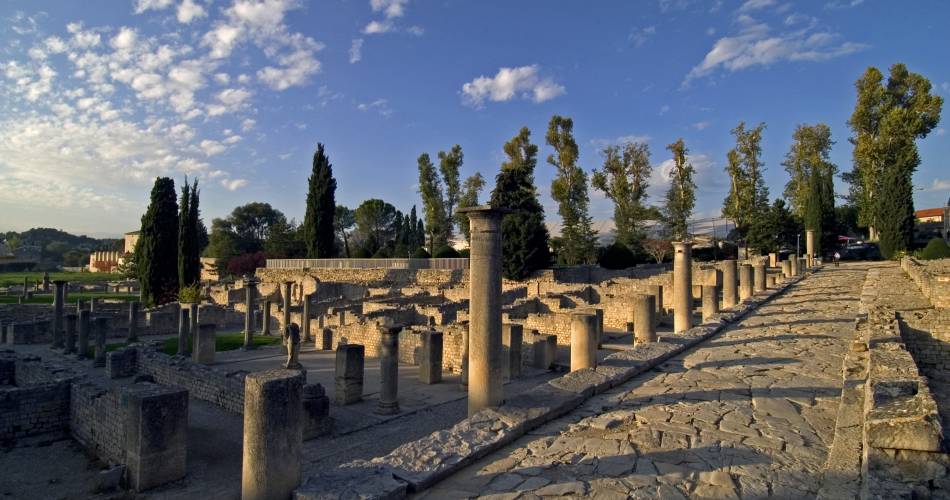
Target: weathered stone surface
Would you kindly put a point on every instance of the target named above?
(355, 481)
(585, 382)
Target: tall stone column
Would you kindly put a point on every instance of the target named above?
(70, 346)
(644, 321)
(773, 259)
(430, 359)
(745, 281)
(583, 340)
(786, 268)
(305, 317)
(710, 301)
(250, 293)
(512, 336)
(285, 313)
(273, 434)
(759, 277)
(265, 326)
(82, 350)
(485, 386)
(682, 286)
(192, 325)
(657, 291)
(730, 295)
(133, 322)
(810, 246)
(58, 299)
(793, 263)
(102, 327)
(388, 370)
(184, 346)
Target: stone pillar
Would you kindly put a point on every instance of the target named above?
(155, 434)
(682, 286)
(265, 326)
(759, 277)
(583, 340)
(430, 358)
(192, 326)
(802, 266)
(102, 326)
(545, 350)
(250, 294)
(773, 259)
(324, 342)
(786, 269)
(745, 281)
(305, 317)
(512, 336)
(92, 304)
(388, 370)
(600, 326)
(657, 292)
(485, 386)
(58, 305)
(133, 322)
(644, 321)
(793, 263)
(184, 346)
(273, 434)
(82, 350)
(710, 301)
(70, 333)
(770, 280)
(463, 376)
(285, 313)
(349, 373)
(204, 344)
(730, 295)
(810, 246)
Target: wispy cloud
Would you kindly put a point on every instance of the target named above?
(640, 36)
(356, 51)
(939, 185)
(510, 83)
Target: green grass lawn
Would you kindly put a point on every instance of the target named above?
(71, 298)
(10, 279)
(223, 342)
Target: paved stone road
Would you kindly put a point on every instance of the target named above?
(749, 414)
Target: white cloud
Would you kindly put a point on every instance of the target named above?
(941, 131)
(381, 106)
(295, 68)
(222, 78)
(284, 156)
(939, 185)
(55, 45)
(144, 5)
(390, 8)
(233, 184)
(356, 51)
(247, 124)
(751, 5)
(188, 11)
(843, 4)
(510, 83)
(378, 27)
(663, 109)
(640, 36)
(945, 86)
(415, 30)
(703, 125)
(624, 139)
(125, 39)
(211, 148)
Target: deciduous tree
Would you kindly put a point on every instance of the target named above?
(681, 196)
(569, 190)
(624, 179)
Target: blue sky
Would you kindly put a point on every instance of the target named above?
(99, 97)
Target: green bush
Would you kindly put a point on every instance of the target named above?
(465, 252)
(421, 253)
(936, 249)
(383, 253)
(190, 294)
(446, 252)
(616, 256)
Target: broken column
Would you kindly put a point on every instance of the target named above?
(388, 370)
(70, 343)
(324, 342)
(292, 341)
(793, 265)
(285, 313)
(265, 326)
(184, 346)
(273, 434)
(204, 344)
(773, 259)
(316, 412)
(759, 277)
(349, 373)
(102, 327)
(786, 269)
(133, 322)
(644, 320)
(512, 336)
(745, 281)
(583, 340)
(305, 317)
(600, 326)
(730, 295)
(545, 350)
(682, 286)
(58, 299)
(250, 289)
(810, 247)
(430, 358)
(82, 350)
(485, 387)
(710, 301)
(657, 291)
(192, 325)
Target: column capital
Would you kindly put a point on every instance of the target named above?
(484, 211)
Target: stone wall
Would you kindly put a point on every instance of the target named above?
(932, 277)
(96, 421)
(225, 389)
(32, 402)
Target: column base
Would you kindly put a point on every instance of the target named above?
(387, 408)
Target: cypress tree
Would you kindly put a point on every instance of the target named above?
(184, 241)
(195, 227)
(156, 253)
(318, 231)
(524, 235)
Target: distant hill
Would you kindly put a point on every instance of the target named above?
(50, 246)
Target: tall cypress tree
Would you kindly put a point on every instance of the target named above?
(184, 233)
(196, 233)
(156, 253)
(524, 235)
(318, 231)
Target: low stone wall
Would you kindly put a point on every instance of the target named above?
(203, 382)
(31, 402)
(932, 277)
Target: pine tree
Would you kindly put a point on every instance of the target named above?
(681, 197)
(318, 227)
(624, 178)
(524, 235)
(156, 253)
(569, 189)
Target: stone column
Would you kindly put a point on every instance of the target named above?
(192, 326)
(730, 295)
(265, 326)
(273, 434)
(786, 268)
(184, 346)
(810, 246)
(349, 373)
(463, 375)
(682, 286)
(545, 350)
(583, 340)
(204, 344)
(793, 263)
(745, 281)
(325, 341)
(430, 358)
(250, 289)
(759, 277)
(305, 317)
(92, 304)
(82, 350)
(710, 301)
(657, 291)
(388, 370)
(70, 333)
(485, 386)
(285, 313)
(58, 305)
(644, 321)
(773, 259)
(512, 336)
(133, 322)
(102, 326)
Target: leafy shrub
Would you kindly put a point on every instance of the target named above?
(616, 256)
(936, 249)
(421, 253)
(190, 294)
(446, 252)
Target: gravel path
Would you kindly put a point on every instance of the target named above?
(749, 414)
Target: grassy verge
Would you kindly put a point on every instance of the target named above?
(11, 279)
(71, 298)
(223, 342)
